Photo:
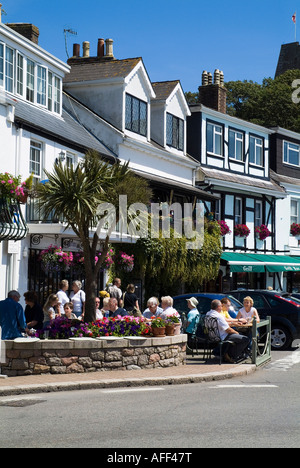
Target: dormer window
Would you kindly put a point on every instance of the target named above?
(175, 132)
(214, 139)
(136, 115)
(291, 153)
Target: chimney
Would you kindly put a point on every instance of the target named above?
(100, 48)
(86, 49)
(213, 94)
(76, 50)
(109, 49)
(27, 30)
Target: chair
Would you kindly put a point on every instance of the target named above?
(213, 336)
(199, 337)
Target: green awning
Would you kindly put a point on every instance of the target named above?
(259, 263)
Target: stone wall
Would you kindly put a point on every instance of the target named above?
(28, 356)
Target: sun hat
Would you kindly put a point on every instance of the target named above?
(193, 301)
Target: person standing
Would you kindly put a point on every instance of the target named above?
(115, 291)
(12, 317)
(62, 295)
(77, 296)
(33, 311)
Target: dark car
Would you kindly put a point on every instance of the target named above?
(283, 309)
(204, 300)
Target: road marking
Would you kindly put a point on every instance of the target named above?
(246, 386)
(286, 363)
(142, 389)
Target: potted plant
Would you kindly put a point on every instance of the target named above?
(173, 325)
(295, 230)
(241, 230)
(224, 228)
(158, 326)
(262, 232)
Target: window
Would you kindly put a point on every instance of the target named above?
(30, 81)
(20, 65)
(136, 115)
(9, 69)
(236, 145)
(50, 91)
(256, 150)
(214, 139)
(258, 213)
(41, 85)
(238, 211)
(70, 159)
(1, 64)
(295, 218)
(291, 153)
(35, 159)
(57, 97)
(175, 132)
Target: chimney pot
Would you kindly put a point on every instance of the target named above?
(209, 75)
(217, 76)
(109, 48)
(204, 78)
(76, 50)
(86, 49)
(100, 49)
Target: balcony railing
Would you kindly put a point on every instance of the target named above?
(35, 215)
(12, 223)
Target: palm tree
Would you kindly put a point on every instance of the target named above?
(75, 194)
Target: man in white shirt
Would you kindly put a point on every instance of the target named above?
(241, 342)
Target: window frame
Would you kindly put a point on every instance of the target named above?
(36, 148)
(215, 134)
(295, 218)
(174, 131)
(136, 125)
(262, 146)
(238, 203)
(236, 140)
(285, 154)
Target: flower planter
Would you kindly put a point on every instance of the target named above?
(159, 331)
(170, 329)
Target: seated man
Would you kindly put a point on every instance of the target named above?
(227, 333)
(114, 310)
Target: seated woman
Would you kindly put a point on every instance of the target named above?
(248, 312)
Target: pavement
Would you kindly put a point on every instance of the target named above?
(194, 371)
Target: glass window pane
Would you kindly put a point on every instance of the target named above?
(169, 129)
(57, 98)
(41, 85)
(50, 91)
(143, 118)
(128, 110)
(218, 144)
(30, 81)
(1, 64)
(209, 138)
(181, 135)
(9, 69)
(20, 62)
(135, 115)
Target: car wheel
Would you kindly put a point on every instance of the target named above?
(281, 338)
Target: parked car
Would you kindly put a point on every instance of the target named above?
(204, 299)
(283, 309)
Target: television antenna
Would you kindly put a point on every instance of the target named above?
(66, 32)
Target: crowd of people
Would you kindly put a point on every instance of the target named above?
(112, 302)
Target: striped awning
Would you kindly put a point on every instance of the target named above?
(259, 263)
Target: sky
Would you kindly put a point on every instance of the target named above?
(177, 39)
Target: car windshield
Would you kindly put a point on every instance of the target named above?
(235, 304)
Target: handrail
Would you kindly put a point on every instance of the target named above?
(261, 356)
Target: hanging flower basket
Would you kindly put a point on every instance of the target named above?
(107, 262)
(241, 230)
(11, 187)
(262, 232)
(53, 259)
(124, 261)
(224, 228)
(295, 229)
